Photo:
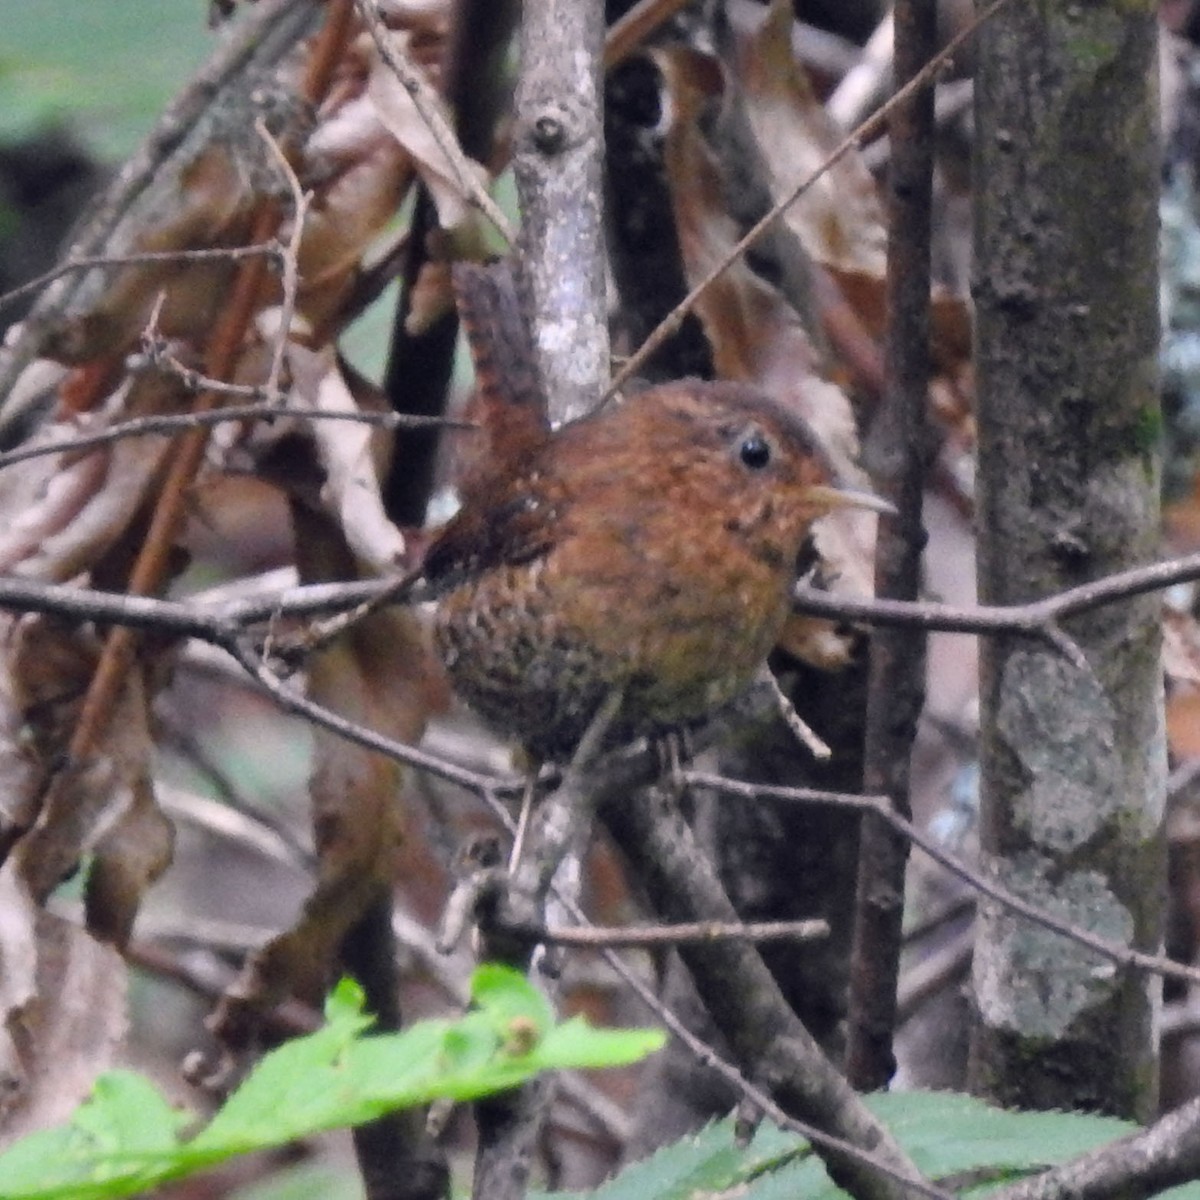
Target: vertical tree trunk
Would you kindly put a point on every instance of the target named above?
(896, 452)
(1073, 760)
(558, 156)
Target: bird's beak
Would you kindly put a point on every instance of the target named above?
(835, 497)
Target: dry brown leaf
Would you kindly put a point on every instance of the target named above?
(359, 174)
(210, 207)
(1181, 665)
(86, 799)
(22, 769)
(64, 1014)
(351, 454)
(753, 331)
(949, 316)
(60, 809)
(1181, 647)
(67, 510)
(839, 219)
(431, 297)
(397, 110)
(127, 859)
(1183, 724)
(380, 674)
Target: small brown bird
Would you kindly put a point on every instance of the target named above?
(648, 549)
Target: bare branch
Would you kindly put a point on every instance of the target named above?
(632, 936)
(1039, 618)
(291, 261)
(270, 249)
(180, 422)
(895, 455)
(1113, 951)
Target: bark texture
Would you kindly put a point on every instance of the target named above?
(1072, 751)
(896, 454)
(557, 160)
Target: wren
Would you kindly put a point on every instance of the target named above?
(647, 549)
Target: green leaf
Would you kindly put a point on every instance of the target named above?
(507, 995)
(576, 1045)
(121, 1141)
(706, 1163)
(295, 1090)
(126, 1138)
(947, 1134)
(129, 1116)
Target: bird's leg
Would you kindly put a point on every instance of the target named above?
(573, 783)
(528, 796)
(673, 748)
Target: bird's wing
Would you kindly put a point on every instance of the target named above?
(510, 524)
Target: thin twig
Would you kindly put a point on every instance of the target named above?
(216, 623)
(632, 28)
(954, 909)
(292, 701)
(290, 282)
(271, 249)
(746, 1003)
(1038, 618)
(151, 566)
(593, 937)
(708, 1057)
(931, 976)
(179, 422)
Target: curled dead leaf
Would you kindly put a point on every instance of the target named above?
(352, 455)
(379, 673)
(398, 111)
(63, 1000)
(839, 218)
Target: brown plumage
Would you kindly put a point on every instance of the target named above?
(649, 547)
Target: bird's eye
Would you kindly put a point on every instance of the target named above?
(755, 451)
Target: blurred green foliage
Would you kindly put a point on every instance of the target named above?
(127, 1138)
(105, 68)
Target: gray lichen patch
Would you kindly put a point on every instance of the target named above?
(1032, 980)
(1058, 723)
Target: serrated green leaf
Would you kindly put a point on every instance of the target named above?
(295, 1088)
(710, 1161)
(947, 1132)
(121, 1140)
(944, 1132)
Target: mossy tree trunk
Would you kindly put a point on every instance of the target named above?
(1066, 288)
